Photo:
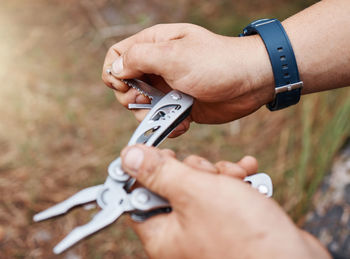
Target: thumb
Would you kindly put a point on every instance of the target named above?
(143, 58)
(159, 172)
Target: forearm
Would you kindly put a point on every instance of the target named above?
(320, 36)
(231, 77)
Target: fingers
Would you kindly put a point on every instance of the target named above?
(161, 33)
(159, 172)
(168, 152)
(114, 83)
(201, 164)
(154, 34)
(131, 96)
(181, 128)
(248, 165)
(108, 78)
(144, 58)
(231, 169)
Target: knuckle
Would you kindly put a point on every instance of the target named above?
(155, 27)
(159, 172)
(142, 34)
(153, 161)
(164, 162)
(220, 163)
(150, 33)
(190, 28)
(168, 152)
(130, 56)
(113, 50)
(191, 158)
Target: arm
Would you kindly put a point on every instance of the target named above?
(321, 42)
(231, 77)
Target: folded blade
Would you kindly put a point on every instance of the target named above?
(154, 94)
(101, 220)
(84, 196)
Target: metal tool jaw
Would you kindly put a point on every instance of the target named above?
(115, 196)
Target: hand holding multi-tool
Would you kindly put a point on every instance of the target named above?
(116, 195)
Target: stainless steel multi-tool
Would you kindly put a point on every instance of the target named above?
(116, 196)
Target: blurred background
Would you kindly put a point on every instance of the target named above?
(60, 126)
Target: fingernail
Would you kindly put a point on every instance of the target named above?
(133, 159)
(117, 66)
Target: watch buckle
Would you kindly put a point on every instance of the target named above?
(289, 87)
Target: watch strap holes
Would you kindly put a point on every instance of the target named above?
(280, 49)
(283, 58)
(286, 75)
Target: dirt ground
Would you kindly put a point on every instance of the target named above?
(60, 126)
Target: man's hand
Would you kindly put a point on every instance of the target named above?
(228, 77)
(215, 214)
(231, 77)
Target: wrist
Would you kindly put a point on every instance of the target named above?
(284, 66)
(260, 81)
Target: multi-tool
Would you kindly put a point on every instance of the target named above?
(116, 195)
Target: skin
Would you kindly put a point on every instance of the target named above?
(231, 77)
(202, 225)
(215, 214)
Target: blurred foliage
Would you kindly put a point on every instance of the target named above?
(61, 127)
(229, 17)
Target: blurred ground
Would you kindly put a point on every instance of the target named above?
(60, 127)
(330, 220)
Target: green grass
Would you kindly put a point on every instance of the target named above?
(325, 127)
(62, 127)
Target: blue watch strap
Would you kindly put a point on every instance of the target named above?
(285, 69)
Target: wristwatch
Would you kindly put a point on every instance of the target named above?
(284, 66)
